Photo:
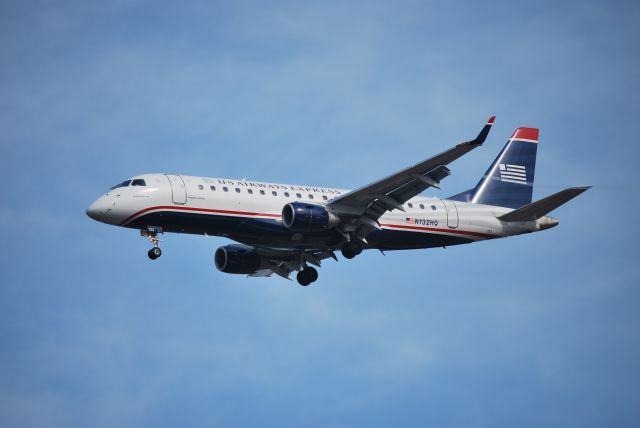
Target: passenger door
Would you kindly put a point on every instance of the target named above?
(178, 189)
(452, 213)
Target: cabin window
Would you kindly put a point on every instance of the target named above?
(310, 196)
(225, 188)
(274, 193)
(286, 194)
(325, 197)
(213, 188)
(433, 207)
(200, 186)
(262, 192)
(237, 190)
(410, 205)
(298, 195)
(249, 191)
(421, 206)
(138, 182)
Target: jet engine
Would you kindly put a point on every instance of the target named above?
(301, 217)
(237, 259)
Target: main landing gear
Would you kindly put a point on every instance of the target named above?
(152, 234)
(352, 248)
(307, 275)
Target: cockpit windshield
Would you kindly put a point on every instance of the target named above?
(126, 183)
(123, 184)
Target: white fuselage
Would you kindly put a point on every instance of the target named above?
(250, 212)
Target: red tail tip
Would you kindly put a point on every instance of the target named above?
(491, 119)
(526, 134)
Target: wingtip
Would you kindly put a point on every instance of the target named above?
(583, 188)
(482, 136)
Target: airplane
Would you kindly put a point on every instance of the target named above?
(282, 228)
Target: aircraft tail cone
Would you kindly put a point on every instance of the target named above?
(547, 222)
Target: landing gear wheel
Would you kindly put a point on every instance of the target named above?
(351, 249)
(312, 273)
(307, 275)
(302, 279)
(154, 253)
(347, 253)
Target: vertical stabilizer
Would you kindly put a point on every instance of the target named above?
(509, 180)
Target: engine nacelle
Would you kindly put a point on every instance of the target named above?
(302, 217)
(237, 259)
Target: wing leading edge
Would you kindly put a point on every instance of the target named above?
(367, 204)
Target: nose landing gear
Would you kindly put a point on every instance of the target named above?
(154, 253)
(152, 234)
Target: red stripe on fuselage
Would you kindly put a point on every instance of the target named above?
(254, 214)
(433, 229)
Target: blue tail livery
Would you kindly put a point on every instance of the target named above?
(509, 180)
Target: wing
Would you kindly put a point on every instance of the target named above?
(283, 262)
(367, 204)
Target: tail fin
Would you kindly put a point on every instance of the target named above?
(509, 180)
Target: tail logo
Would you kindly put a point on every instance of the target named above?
(513, 173)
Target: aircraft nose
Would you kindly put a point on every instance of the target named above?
(92, 211)
(96, 210)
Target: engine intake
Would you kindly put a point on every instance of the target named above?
(301, 217)
(237, 259)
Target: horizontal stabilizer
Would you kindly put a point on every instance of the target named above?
(538, 209)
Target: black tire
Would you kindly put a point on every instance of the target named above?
(355, 246)
(347, 253)
(303, 278)
(351, 249)
(154, 253)
(312, 273)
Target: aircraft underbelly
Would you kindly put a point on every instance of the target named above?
(257, 231)
(388, 239)
(271, 232)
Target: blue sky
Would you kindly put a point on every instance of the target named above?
(537, 330)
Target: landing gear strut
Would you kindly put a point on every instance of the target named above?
(307, 275)
(351, 249)
(152, 234)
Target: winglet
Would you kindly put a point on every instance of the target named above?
(483, 134)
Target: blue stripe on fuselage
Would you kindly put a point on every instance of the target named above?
(271, 232)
